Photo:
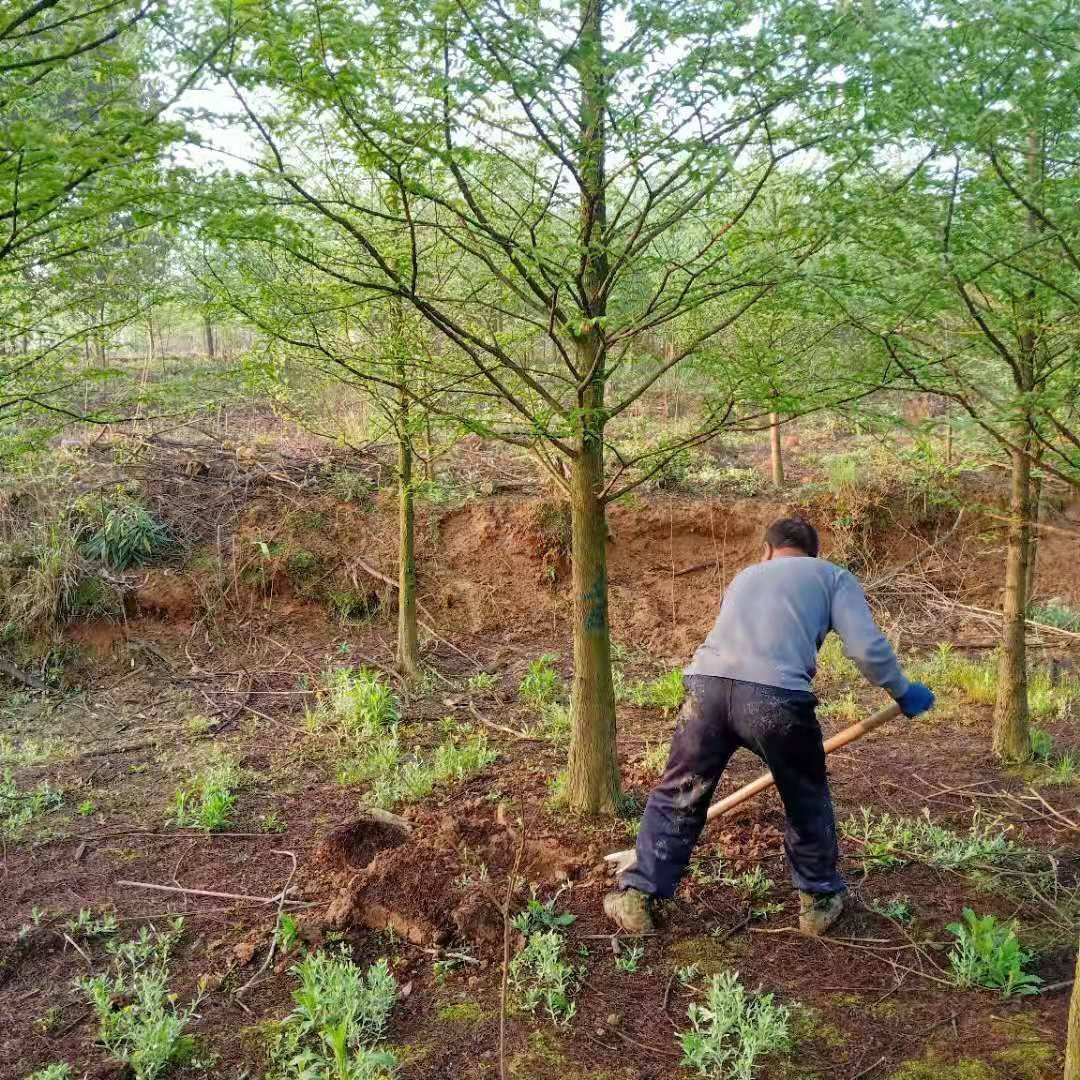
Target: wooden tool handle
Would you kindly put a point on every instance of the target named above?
(841, 738)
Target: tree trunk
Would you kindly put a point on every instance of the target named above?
(1072, 1049)
(1033, 552)
(777, 452)
(208, 327)
(408, 638)
(593, 775)
(1012, 739)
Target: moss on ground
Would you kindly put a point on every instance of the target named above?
(711, 956)
(1029, 1055)
(929, 1069)
(544, 1059)
(807, 1024)
(462, 1012)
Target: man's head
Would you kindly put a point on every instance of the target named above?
(790, 536)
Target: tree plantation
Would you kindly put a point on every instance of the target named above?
(392, 394)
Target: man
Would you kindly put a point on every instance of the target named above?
(749, 685)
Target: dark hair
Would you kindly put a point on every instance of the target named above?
(795, 532)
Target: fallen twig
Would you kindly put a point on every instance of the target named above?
(213, 895)
(277, 923)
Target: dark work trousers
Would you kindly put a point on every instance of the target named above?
(717, 717)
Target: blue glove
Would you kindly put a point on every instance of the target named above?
(917, 698)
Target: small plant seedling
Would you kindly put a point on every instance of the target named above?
(287, 933)
(59, 1071)
(1042, 745)
(361, 704)
(898, 908)
(19, 808)
(540, 915)
(49, 1021)
(86, 808)
(666, 692)
(271, 822)
(629, 959)
(988, 954)
(482, 682)
(88, 925)
(731, 1031)
(200, 725)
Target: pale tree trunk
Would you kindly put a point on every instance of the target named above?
(1072, 1049)
(593, 767)
(208, 328)
(777, 451)
(1012, 739)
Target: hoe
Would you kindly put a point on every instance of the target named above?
(621, 861)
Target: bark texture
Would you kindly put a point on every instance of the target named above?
(1072, 1050)
(777, 451)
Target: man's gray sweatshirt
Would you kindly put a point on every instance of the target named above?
(776, 614)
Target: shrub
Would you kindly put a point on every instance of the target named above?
(340, 1016)
(542, 684)
(732, 1031)
(138, 1019)
(209, 801)
(988, 954)
(120, 532)
(350, 486)
(347, 606)
(888, 841)
(52, 1072)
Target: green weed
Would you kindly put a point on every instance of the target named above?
(52, 1072)
(655, 757)
(208, 802)
(886, 841)
(988, 954)
(731, 479)
(120, 532)
(28, 751)
(271, 822)
(543, 979)
(286, 933)
(845, 708)
(628, 960)
(832, 664)
(1057, 613)
(347, 606)
(340, 1015)
(539, 915)
(542, 684)
(555, 723)
(19, 808)
(731, 1031)
(898, 908)
(87, 925)
(350, 486)
(666, 692)
(139, 1022)
(482, 682)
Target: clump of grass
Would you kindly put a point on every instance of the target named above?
(350, 486)
(666, 692)
(360, 704)
(731, 479)
(119, 531)
(733, 1030)
(341, 1014)
(208, 802)
(19, 808)
(139, 1022)
(1057, 613)
(832, 664)
(555, 722)
(347, 606)
(988, 954)
(886, 842)
(542, 684)
(60, 1071)
(897, 908)
(27, 751)
(655, 757)
(845, 708)
(482, 682)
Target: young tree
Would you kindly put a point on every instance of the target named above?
(592, 169)
(973, 271)
(1072, 1050)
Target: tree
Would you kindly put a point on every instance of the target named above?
(595, 172)
(1072, 1050)
(972, 272)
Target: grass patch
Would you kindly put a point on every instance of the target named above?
(666, 692)
(19, 808)
(845, 708)
(340, 1016)
(58, 1071)
(208, 802)
(887, 842)
(28, 751)
(119, 531)
(88, 925)
(542, 684)
(988, 954)
(897, 908)
(139, 1021)
(359, 705)
(1057, 613)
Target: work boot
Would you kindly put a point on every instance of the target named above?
(630, 910)
(818, 911)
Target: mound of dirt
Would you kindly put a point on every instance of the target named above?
(438, 879)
